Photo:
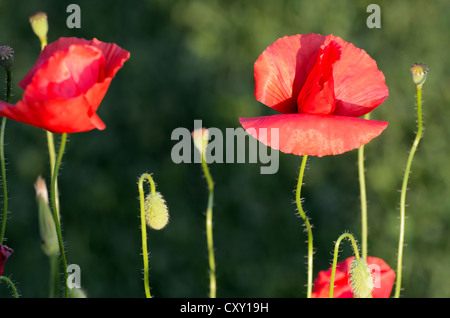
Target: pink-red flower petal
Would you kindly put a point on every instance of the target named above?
(310, 134)
(66, 85)
(5, 253)
(382, 274)
(283, 68)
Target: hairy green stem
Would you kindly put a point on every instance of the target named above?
(209, 230)
(52, 156)
(55, 212)
(2, 159)
(11, 284)
(362, 188)
(149, 178)
(335, 257)
(403, 192)
(307, 225)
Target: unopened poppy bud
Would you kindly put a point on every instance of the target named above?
(156, 212)
(361, 279)
(47, 228)
(200, 138)
(5, 253)
(39, 25)
(419, 73)
(6, 57)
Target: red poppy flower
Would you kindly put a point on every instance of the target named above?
(66, 85)
(5, 253)
(320, 84)
(382, 274)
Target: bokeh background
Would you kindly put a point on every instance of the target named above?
(193, 59)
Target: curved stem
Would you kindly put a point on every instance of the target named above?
(55, 212)
(209, 230)
(403, 192)
(52, 156)
(335, 257)
(11, 284)
(149, 178)
(362, 188)
(2, 160)
(307, 224)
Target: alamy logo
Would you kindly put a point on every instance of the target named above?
(229, 148)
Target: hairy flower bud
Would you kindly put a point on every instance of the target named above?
(419, 73)
(6, 57)
(361, 279)
(156, 212)
(47, 228)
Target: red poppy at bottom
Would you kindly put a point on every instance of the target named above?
(5, 253)
(383, 277)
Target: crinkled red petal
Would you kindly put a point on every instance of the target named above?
(314, 135)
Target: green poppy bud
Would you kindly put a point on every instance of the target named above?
(47, 228)
(361, 279)
(156, 212)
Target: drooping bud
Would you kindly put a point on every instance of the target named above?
(361, 279)
(6, 57)
(5, 253)
(419, 73)
(47, 228)
(200, 138)
(156, 212)
(39, 25)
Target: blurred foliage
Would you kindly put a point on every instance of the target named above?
(193, 59)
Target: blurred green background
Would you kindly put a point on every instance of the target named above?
(193, 59)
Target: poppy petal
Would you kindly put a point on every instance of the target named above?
(66, 74)
(310, 134)
(382, 274)
(359, 85)
(317, 94)
(282, 69)
(114, 55)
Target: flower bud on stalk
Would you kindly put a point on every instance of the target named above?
(47, 228)
(361, 279)
(200, 138)
(156, 212)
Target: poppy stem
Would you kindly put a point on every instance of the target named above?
(335, 257)
(307, 224)
(209, 230)
(403, 191)
(2, 159)
(11, 284)
(362, 188)
(55, 212)
(52, 156)
(149, 178)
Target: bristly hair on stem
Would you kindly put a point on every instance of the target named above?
(419, 73)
